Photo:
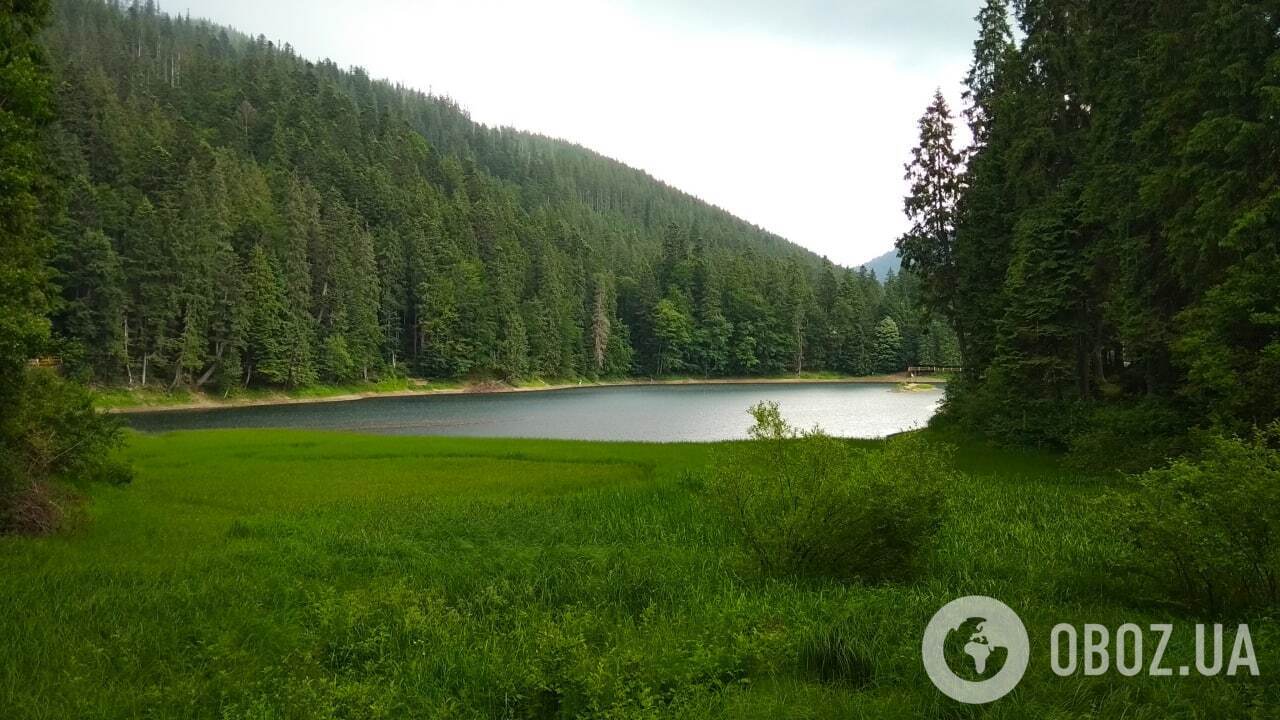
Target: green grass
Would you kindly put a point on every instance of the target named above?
(280, 574)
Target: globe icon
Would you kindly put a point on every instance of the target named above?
(973, 651)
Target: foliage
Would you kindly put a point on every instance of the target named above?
(24, 86)
(887, 355)
(1129, 438)
(1207, 531)
(935, 177)
(23, 325)
(48, 428)
(804, 503)
(238, 215)
(61, 438)
(1115, 234)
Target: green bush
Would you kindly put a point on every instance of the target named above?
(806, 504)
(1010, 419)
(336, 361)
(54, 434)
(1130, 438)
(1207, 530)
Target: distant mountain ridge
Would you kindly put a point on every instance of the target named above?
(884, 264)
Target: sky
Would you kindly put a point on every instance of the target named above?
(796, 115)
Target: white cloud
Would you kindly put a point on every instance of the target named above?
(805, 137)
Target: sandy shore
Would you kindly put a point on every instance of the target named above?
(200, 402)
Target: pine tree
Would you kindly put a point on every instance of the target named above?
(301, 234)
(852, 354)
(674, 331)
(363, 331)
(265, 318)
(146, 252)
(887, 353)
(601, 324)
(928, 248)
(991, 53)
(513, 348)
(92, 279)
(24, 327)
(401, 234)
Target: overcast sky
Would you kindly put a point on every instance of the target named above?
(796, 115)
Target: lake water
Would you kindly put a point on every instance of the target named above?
(662, 413)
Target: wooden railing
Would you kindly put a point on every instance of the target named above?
(933, 369)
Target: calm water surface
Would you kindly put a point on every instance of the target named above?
(654, 413)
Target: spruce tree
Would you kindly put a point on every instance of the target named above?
(601, 324)
(23, 243)
(887, 348)
(91, 313)
(991, 53)
(928, 248)
(266, 352)
(674, 331)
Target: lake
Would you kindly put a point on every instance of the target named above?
(658, 413)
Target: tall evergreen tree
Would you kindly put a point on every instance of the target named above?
(928, 248)
(23, 243)
(887, 352)
(991, 54)
(266, 353)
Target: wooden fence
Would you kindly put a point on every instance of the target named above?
(934, 370)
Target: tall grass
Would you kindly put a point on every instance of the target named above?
(255, 574)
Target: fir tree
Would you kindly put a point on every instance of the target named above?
(887, 352)
(928, 248)
(266, 353)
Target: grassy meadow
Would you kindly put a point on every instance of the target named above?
(283, 574)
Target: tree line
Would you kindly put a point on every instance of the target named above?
(237, 215)
(1107, 249)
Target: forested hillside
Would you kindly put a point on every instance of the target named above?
(1110, 254)
(239, 215)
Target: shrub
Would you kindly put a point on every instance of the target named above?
(1010, 419)
(54, 434)
(336, 361)
(1207, 530)
(806, 504)
(1130, 438)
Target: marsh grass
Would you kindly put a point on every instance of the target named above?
(281, 574)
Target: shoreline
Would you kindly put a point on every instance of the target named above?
(205, 402)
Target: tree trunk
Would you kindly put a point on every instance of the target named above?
(128, 369)
(177, 373)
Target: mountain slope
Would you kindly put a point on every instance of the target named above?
(236, 214)
(884, 264)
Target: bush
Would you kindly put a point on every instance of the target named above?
(336, 362)
(1207, 531)
(806, 504)
(1008, 418)
(53, 434)
(1130, 438)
